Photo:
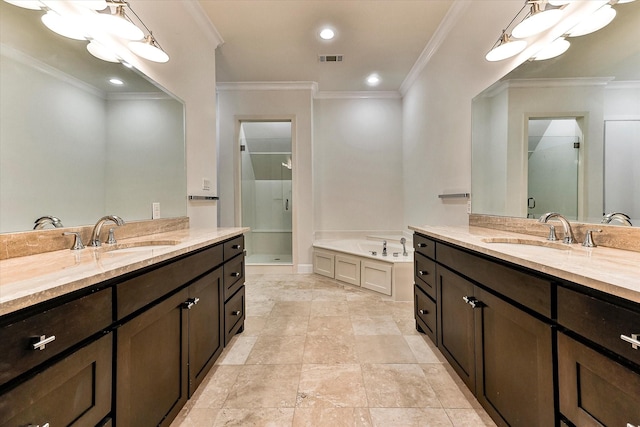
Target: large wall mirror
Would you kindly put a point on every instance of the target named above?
(564, 134)
(72, 144)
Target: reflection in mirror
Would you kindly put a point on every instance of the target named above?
(74, 146)
(597, 84)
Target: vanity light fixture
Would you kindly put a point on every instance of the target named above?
(67, 26)
(27, 4)
(555, 48)
(92, 4)
(119, 24)
(505, 48)
(101, 52)
(149, 49)
(537, 21)
(594, 22)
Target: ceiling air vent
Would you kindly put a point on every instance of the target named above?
(330, 58)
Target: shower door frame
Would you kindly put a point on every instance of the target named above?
(237, 165)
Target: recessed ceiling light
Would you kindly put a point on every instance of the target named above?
(373, 80)
(327, 34)
(116, 82)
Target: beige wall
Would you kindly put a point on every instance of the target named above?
(190, 40)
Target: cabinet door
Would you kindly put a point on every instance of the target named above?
(595, 390)
(514, 364)
(205, 326)
(455, 324)
(75, 390)
(151, 373)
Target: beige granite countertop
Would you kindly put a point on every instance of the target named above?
(613, 271)
(33, 279)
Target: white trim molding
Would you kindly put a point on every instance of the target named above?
(357, 94)
(232, 86)
(198, 13)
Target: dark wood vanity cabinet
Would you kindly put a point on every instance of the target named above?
(425, 286)
(598, 372)
(129, 352)
(493, 329)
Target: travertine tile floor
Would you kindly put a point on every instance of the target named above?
(318, 353)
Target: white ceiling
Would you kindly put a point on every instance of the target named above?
(277, 40)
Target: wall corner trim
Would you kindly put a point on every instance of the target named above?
(202, 20)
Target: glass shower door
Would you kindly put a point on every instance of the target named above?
(266, 191)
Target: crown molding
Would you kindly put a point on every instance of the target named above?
(358, 95)
(560, 82)
(236, 86)
(197, 12)
(441, 33)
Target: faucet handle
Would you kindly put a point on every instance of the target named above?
(552, 232)
(588, 238)
(77, 244)
(111, 240)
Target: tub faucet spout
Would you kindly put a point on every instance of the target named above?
(384, 248)
(404, 248)
(568, 233)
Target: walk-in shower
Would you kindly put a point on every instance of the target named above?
(266, 190)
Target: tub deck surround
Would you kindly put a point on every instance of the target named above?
(33, 279)
(365, 247)
(613, 271)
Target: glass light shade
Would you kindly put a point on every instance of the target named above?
(594, 22)
(119, 25)
(27, 4)
(92, 4)
(506, 49)
(555, 48)
(559, 2)
(99, 51)
(327, 34)
(537, 23)
(148, 49)
(64, 25)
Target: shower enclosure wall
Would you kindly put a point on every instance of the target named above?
(266, 191)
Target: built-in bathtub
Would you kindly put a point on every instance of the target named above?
(360, 262)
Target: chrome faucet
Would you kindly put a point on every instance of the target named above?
(95, 235)
(568, 233)
(47, 219)
(404, 248)
(619, 216)
(384, 248)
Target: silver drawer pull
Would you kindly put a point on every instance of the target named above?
(423, 312)
(236, 313)
(423, 273)
(235, 274)
(188, 304)
(40, 345)
(473, 302)
(38, 425)
(236, 247)
(634, 340)
(422, 245)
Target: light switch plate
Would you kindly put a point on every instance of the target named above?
(206, 184)
(155, 210)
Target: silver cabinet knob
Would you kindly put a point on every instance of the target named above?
(423, 311)
(235, 274)
(236, 313)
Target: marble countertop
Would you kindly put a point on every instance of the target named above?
(33, 279)
(613, 271)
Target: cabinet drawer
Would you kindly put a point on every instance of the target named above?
(233, 247)
(425, 311)
(424, 245)
(234, 315)
(233, 276)
(133, 294)
(64, 325)
(599, 321)
(425, 271)
(74, 391)
(530, 291)
(595, 390)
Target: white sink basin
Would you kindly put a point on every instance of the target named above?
(530, 242)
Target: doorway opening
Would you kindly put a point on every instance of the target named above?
(553, 159)
(266, 202)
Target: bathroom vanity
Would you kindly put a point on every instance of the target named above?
(542, 335)
(130, 341)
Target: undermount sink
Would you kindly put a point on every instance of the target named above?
(138, 246)
(530, 242)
